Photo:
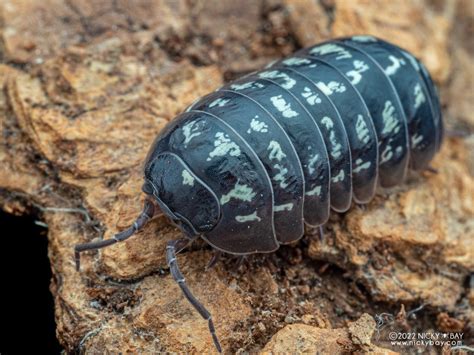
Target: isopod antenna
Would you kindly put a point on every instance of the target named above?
(147, 214)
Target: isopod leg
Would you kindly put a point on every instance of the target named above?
(431, 170)
(214, 259)
(147, 213)
(321, 233)
(239, 262)
(315, 231)
(171, 249)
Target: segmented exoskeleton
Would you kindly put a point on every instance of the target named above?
(246, 166)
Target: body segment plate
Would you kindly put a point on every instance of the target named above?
(330, 124)
(235, 175)
(382, 101)
(356, 119)
(274, 149)
(414, 96)
(305, 136)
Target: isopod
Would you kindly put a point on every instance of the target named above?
(246, 166)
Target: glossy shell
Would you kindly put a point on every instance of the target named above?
(247, 165)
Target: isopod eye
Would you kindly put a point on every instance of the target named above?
(187, 200)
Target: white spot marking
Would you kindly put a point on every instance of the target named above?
(360, 165)
(339, 177)
(419, 96)
(355, 74)
(327, 122)
(416, 139)
(275, 74)
(219, 102)
(275, 151)
(257, 126)
(386, 155)
(335, 146)
(239, 192)
(296, 61)
(223, 146)
(396, 64)
(311, 163)
(241, 86)
(412, 60)
(310, 96)
(247, 85)
(316, 191)
(331, 87)
(364, 39)
(248, 218)
(390, 120)
(282, 106)
(188, 179)
(362, 130)
(190, 130)
(331, 48)
(280, 177)
(285, 207)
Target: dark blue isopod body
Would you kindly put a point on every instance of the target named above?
(330, 124)
(247, 165)
(275, 150)
(382, 101)
(356, 119)
(304, 134)
(414, 97)
(214, 152)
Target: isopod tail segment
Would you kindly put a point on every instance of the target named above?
(172, 248)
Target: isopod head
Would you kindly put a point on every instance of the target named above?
(181, 195)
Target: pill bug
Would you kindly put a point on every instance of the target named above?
(246, 166)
